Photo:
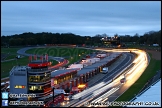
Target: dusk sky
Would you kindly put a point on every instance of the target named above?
(85, 18)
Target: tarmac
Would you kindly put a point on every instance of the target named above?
(10, 59)
(111, 68)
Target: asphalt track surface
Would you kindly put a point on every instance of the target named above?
(23, 50)
(123, 88)
(114, 72)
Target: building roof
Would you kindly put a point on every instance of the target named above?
(153, 94)
(76, 66)
(61, 72)
(20, 68)
(97, 64)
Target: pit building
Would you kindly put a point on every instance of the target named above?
(32, 79)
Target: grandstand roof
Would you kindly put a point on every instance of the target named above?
(61, 72)
(97, 64)
(152, 95)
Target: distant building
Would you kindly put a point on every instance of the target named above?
(111, 41)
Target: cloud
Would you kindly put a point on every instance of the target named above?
(83, 18)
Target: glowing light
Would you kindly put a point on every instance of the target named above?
(81, 86)
(122, 76)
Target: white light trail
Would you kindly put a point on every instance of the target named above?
(88, 91)
(104, 97)
(97, 92)
(138, 70)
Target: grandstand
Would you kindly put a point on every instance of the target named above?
(150, 97)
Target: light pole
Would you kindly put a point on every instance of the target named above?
(53, 88)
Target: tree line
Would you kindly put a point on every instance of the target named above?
(30, 38)
(148, 38)
(47, 38)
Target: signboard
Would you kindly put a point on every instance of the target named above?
(59, 91)
(39, 64)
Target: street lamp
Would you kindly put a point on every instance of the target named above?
(53, 88)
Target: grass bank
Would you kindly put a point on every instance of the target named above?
(10, 50)
(158, 48)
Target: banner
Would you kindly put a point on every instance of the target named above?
(35, 57)
(30, 58)
(46, 57)
(41, 58)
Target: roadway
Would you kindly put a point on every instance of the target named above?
(110, 91)
(130, 79)
(129, 58)
(118, 89)
(23, 52)
(101, 82)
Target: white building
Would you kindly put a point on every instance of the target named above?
(32, 79)
(18, 80)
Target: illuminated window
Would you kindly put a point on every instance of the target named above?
(38, 78)
(33, 88)
(16, 86)
(39, 87)
(55, 81)
(20, 86)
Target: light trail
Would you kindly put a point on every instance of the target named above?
(140, 64)
(104, 96)
(88, 91)
(82, 102)
(137, 69)
(103, 89)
